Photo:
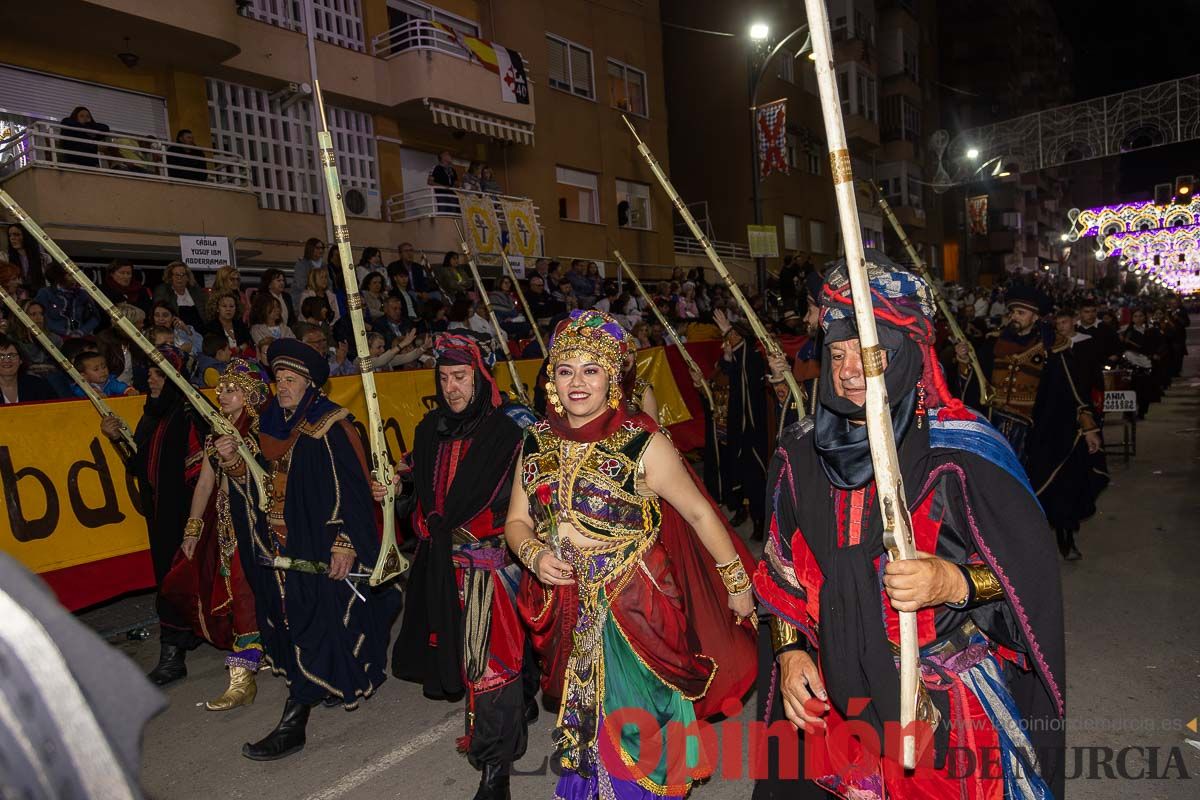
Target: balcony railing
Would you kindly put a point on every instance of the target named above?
(687, 245)
(417, 35)
(123, 153)
(435, 201)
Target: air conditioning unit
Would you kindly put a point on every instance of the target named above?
(361, 202)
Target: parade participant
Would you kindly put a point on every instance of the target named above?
(1108, 342)
(628, 610)
(744, 460)
(328, 636)
(985, 587)
(208, 584)
(461, 633)
(162, 437)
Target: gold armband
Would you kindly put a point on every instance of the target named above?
(985, 586)
(342, 543)
(235, 468)
(733, 575)
(529, 550)
(193, 528)
(782, 635)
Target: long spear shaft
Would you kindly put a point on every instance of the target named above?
(501, 337)
(215, 420)
(390, 562)
(956, 333)
(755, 323)
(897, 525)
(66, 366)
(662, 320)
(537, 334)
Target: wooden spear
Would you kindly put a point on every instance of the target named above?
(66, 366)
(662, 320)
(897, 525)
(755, 323)
(215, 419)
(956, 333)
(501, 337)
(391, 561)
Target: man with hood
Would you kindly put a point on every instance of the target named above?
(327, 634)
(985, 587)
(461, 633)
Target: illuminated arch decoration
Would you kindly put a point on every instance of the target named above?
(1130, 217)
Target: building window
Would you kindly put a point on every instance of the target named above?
(786, 70)
(868, 97)
(633, 205)
(815, 157)
(578, 198)
(793, 151)
(912, 121)
(915, 194)
(791, 232)
(843, 82)
(402, 12)
(280, 144)
(335, 21)
(911, 65)
(627, 88)
(816, 236)
(570, 67)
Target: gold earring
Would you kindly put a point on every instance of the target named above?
(552, 397)
(614, 394)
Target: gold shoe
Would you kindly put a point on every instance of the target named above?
(241, 692)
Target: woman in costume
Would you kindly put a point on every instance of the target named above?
(630, 616)
(208, 583)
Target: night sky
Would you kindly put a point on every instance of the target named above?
(1116, 50)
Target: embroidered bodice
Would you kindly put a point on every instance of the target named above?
(598, 487)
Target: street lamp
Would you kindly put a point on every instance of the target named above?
(760, 32)
(972, 153)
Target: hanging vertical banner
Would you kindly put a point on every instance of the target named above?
(514, 83)
(524, 235)
(479, 217)
(771, 123)
(977, 209)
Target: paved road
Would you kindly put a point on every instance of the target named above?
(1133, 647)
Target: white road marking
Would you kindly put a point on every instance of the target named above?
(411, 747)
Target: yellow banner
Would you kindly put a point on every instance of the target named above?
(479, 217)
(524, 234)
(69, 502)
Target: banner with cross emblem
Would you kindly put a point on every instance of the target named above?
(770, 122)
(479, 217)
(524, 235)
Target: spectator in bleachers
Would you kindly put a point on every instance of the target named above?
(118, 351)
(542, 304)
(318, 286)
(179, 287)
(685, 306)
(212, 360)
(25, 252)
(395, 322)
(313, 260)
(339, 360)
(130, 154)
(315, 312)
(229, 279)
(420, 282)
(374, 292)
(94, 369)
(185, 161)
(581, 284)
(164, 314)
(70, 311)
(451, 276)
(488, 182)
(400, 354)
(273, 281)
(566, 295)
(84, 132)
(434, 316)
(37, 361)
(508, 309)
(370, 261)
(266, 319)
(120, 285)
(470, 178)
(412, 301)
(225, 321)
(17, 386)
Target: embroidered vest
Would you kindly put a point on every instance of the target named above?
(1016, 376)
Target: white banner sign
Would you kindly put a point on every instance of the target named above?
(1120, 402)
(204, 253)
(518, 265)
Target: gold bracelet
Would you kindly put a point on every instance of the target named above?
(782, 635)
(733, 575)
(193, 528)
(985, 586)
(529, 550)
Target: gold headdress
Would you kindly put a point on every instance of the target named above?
(241, 374)
(591, 334)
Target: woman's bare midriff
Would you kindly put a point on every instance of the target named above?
(581, 541)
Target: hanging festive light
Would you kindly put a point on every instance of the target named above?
(1129, 217)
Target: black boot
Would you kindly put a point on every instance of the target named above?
(287, 738)
(170, 665)
(758, 534)
(493, 784)
(532, 711)
(1072, 553)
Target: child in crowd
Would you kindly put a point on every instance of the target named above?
(211, 364)
(94, 369)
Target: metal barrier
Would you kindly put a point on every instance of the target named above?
(689, 246)
(417, 35)
(123, 153)
(437, 201)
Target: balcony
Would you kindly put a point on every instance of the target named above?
(861, 133)
(431, 215)
(432, 72)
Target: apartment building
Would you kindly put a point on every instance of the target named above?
(402, 81)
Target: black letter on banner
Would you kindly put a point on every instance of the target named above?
(108, 513)
(25, 530)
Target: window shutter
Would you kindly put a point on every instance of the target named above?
(557, 61)
(26, 93)
(581, 72)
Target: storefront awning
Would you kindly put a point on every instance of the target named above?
(483, 124)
